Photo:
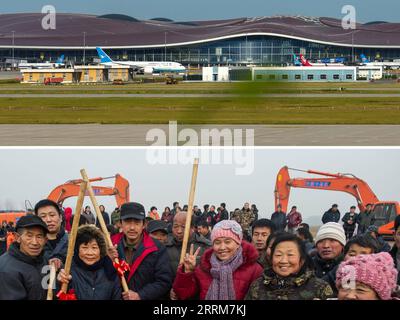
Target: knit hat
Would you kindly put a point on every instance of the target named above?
(374, 270)
(227, 229)
(331, 230)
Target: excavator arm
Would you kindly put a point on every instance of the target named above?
(348, 183)
(71, 189)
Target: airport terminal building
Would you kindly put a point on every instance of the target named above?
(261, 41)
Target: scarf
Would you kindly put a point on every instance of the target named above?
(222, 287)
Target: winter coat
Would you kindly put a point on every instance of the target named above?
(279, 220)
(364, 220)
(197, 283)
(304, 286)
(245, 218)
(393, 253)
(89, 217)
(323, 267)
(383, 245)
(309, 246)
(174, 249)
(21, 275)
(348, 216)
(106, 219)
(57, 249)
(100, 284)
(3, 243)
(330, 216)
(294, 219)
(224, 215)
(150, 274)
(262, 259)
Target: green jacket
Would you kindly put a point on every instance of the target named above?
(305, 286)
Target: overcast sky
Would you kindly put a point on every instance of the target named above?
(32, 174)
(367, 10)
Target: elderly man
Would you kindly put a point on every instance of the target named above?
(22, 267)
(330, 241)
(174, 244)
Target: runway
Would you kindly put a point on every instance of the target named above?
(197, 95)
(135, 135)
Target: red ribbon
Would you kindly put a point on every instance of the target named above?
(121, 266)
(70, 295)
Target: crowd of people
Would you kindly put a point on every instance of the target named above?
(230, 255)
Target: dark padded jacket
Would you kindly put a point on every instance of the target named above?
(21, 275)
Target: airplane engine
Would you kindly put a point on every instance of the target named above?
(148, 69)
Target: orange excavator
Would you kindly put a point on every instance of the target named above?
(71, 189)
(384, 212)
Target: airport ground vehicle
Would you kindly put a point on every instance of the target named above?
(171, 80)
(118, 82)
(384, 212)
(53, 81)
(71, 189)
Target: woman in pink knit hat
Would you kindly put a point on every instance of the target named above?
(226, 270)
(367, 277)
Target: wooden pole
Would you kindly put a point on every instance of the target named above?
(101, 221)
(74, 230)
(51, 282)
(190, 209)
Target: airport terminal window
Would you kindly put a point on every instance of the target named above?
(285, 77)
(271, 77)
(349, 76)
(297, 77)
(336, 77)
(323, 77)
(259, 77)
(310, 76)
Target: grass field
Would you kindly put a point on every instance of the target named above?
(245, 108)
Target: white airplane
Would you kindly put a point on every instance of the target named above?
(145, 66)
(43, 65)
(386, 64)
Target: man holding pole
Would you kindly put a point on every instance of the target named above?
(149, 277)
(55, 250)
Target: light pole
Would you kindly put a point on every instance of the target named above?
(165, 46)
(84, 48)
(13, 55)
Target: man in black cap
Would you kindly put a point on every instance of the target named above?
(150, 277)
(55, 250)
(158, 229)
(21, 268)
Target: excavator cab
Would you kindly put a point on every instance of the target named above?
(384, 214)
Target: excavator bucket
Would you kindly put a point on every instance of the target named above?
(282, 189)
